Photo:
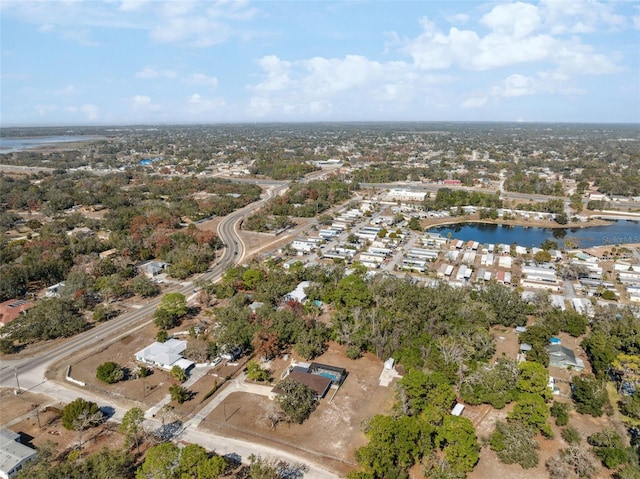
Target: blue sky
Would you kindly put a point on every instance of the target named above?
(70, 62)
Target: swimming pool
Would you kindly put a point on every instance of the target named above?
(333, 377)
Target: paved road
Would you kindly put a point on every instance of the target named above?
(31, 370)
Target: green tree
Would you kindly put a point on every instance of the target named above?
(50, 318)
(542, 257)
(252, 277)
(414, 224)
(162, 336)
(179, 394)
(589, 395)
(571, 435)
(562, 218)
(532, 411)
(261, 468)
(110, 372)
(144, 286)
(131, 426)
(105, 464)
(77, 409)
(172, 307)
(560, 411)
(457, 439)
(352, 292)
(178, 373)
(103, 313)
(493, 384)
(256, 373)
(421, 391)
(395, 444)
(161, 462)
(507, 304)
(296, 400)
(514, 443)
(533, 378)
(197, 463)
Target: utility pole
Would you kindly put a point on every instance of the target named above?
(17, 380)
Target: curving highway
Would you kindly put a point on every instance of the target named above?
(30, 371)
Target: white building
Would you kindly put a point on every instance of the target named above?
(406, 195)
(13, 454)
(298, 294)
(165, 355)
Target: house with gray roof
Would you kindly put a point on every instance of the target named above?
(563, 357)
(165, 355)
(13, 454)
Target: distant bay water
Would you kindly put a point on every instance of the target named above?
(618, 232)
(11, 145)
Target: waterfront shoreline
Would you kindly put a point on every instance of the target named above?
(575, 233)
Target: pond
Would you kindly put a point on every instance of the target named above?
(618, 232)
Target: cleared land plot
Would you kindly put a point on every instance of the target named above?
(333, 432)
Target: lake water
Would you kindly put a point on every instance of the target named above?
(618, 232)
(10, 145)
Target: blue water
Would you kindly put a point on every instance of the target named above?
(329, 375)
(618, 232)
(9, 145)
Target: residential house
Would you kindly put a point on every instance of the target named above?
(298, 294)
(316, 376)
(165, 355)
(10, 310)
(563, 357)
(151, 268)
(13, 454)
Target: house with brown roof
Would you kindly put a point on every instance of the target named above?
(316, 376)
(10, 310)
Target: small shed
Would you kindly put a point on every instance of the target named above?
(457, 409)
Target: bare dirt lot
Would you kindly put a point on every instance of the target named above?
(333, 432)
(45, 430)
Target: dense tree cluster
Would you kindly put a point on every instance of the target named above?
(423, 428)
(613, 331)
(524, 182)
(51, 318)
(303, 200)
(447, 198)
(106, 464)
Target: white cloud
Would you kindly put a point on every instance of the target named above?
(67, 90)
(579, 16)
(82, 36)
(580, 59)
(313, 86)
(45, 109)
(515, 20)
(277, 73)
(475, 102)
(131, 5)
(202, 79)
(144, 103)
(458, 19)
(91, 111)
(517, 85)
(260, 107)
(520, 33)
(193, 30)
(198, 104)
(151, 73)
(200, 24)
